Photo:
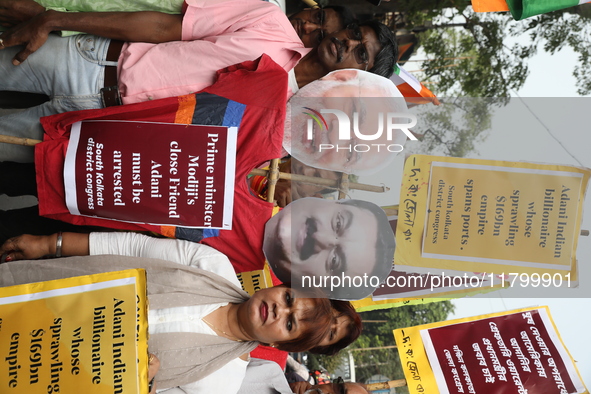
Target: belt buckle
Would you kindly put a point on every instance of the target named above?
(111, 96)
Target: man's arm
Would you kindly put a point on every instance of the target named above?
(141, 26)
(145, 26)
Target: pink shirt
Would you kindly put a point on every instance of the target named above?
(216, 34)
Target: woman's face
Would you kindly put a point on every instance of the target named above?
(275, 315)
(338, 331)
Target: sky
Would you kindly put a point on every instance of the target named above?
(510, 141)
(532, 143)
(517, 135)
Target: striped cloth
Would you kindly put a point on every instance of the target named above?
(259, 185)
(521, 9)
(410, 87)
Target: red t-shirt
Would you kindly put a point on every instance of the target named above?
(252, 96)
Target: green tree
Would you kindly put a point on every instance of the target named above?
(557, 30)
(386, 361)
(404, 316)
(329, 363)
(477, 54)
(469, 57)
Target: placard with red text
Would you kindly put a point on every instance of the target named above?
(515, 352)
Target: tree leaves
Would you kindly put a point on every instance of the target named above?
(479, 54)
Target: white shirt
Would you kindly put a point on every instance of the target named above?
(180, 319)
(181, 252)
(264, 377)
(292, 83)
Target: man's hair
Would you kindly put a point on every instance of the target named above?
(343, 308)
(345, 14)
(386, 59)
(384, 248)
(319, 320)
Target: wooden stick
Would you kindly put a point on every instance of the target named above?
(364, 349)
(311, 3)
(18, 140)
(321, 181)
(390, 211)
(272, 174)
(272, 179)
(385, 385)
(344, 186)
(445, 58)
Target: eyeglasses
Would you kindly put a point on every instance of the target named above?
(320, 19)
(360, 52)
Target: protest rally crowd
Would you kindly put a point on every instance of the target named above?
(137, 60)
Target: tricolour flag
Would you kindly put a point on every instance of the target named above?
(411, 88)
(521, 9)
(489, 5)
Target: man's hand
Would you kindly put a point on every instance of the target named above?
(283, 193)
(13, 12)
(287, 191)
(28, 247)
(124, 26)
(153, 367)
(23, 17)
(32, 34)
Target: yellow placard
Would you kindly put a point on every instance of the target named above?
(256, 280)
(415, 364)
(471, 215)
(78, 335)
(374, 303)
(252, 281)
(369, 304)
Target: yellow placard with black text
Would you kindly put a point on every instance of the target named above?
(78, 335)
(471, 215)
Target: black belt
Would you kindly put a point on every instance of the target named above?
(110, 92)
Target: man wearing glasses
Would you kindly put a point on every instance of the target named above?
(368, 46)
(313, 24)
(266, 377)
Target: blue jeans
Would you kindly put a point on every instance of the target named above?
(69, 70)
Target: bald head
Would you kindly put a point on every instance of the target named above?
(350, 121)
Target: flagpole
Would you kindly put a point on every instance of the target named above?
(332, 183)
(385, 385)
(445, 58)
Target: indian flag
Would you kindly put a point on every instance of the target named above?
(521, 9)
(410, 87)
